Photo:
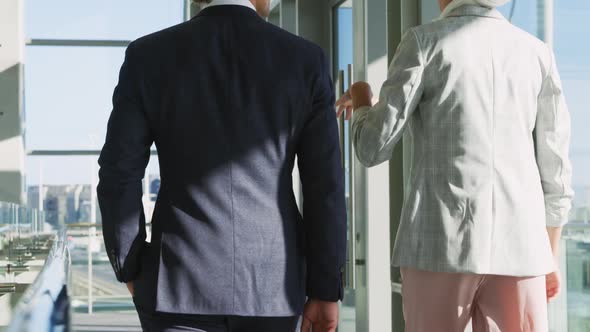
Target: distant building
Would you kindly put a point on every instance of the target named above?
(69, 204)
(580, 212)
(64, 204)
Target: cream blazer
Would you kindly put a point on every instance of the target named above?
(482, 104)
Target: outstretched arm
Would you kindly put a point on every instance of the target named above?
(376, 129)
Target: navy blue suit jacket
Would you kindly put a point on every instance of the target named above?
(230, 101)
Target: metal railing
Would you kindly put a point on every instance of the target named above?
(45, 304)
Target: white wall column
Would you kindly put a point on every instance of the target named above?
(12, 155)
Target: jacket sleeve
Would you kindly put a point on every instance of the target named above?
(322, 177)
(377, 129)
(552, 139)
(122, 161)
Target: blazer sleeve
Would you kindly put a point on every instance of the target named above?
(552, 140)
(122, 161)
(322, 177)
(376, 130)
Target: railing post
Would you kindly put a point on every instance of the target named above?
(91, 234)
(90, 238)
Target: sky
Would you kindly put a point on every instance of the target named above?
(68, 90)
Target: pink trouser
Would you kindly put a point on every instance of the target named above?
(445, 302)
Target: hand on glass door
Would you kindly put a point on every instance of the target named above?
(359, 95)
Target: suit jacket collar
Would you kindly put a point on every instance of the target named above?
(228, 10)
(474, 10)
(245, 3)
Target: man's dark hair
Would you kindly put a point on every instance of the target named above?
(202, 1)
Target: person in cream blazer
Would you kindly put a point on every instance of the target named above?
(489, 186)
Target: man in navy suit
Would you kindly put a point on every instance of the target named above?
(230, 101)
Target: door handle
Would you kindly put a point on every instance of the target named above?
(351, 261)
(351, 265)
(352, 195)
(341, 118)
(350, 273)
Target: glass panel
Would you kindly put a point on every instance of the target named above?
(86, 246)
(571, 29)
(68, 95)
(68, 101)
(524, 14)
(67, 200)
(570, 312)
(106, 19)
(343, 51)
(66, 187)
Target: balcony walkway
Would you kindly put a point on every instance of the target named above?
(128, 321)
(105, 322)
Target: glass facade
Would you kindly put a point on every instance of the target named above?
(68, 94)
(68, 89)
(571, 51)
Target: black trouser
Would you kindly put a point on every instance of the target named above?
(161, 322)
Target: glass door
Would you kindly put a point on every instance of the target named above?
(343, 40)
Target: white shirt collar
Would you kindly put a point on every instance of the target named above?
(245, 3)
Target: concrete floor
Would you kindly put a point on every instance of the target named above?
(106, 322)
